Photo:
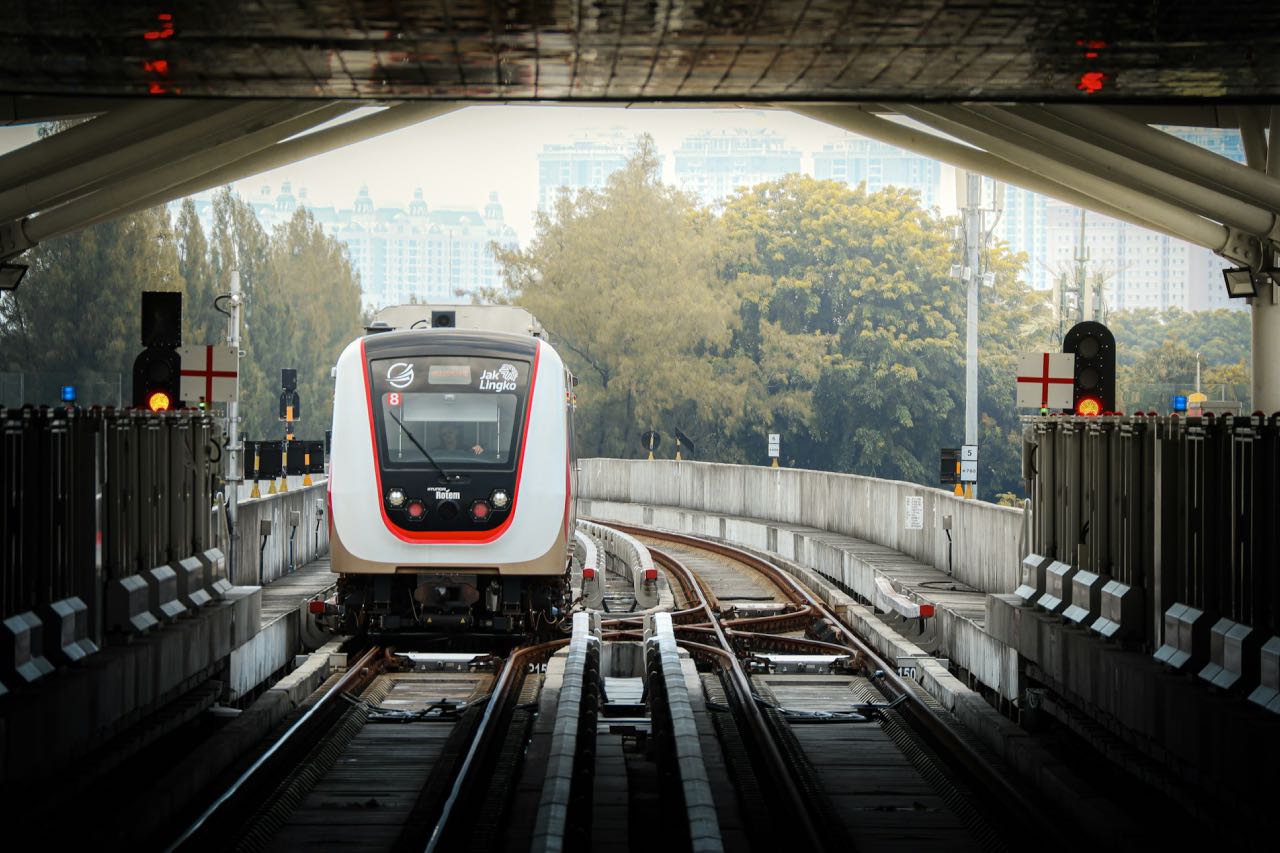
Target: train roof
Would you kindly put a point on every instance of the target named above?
(448, 341)
(482, 318)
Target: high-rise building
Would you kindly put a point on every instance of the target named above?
(1139, 268)
(582, 164)
(854, 160)
(401, 254)
(713, 164)
(1142, 268)
(1024, 226)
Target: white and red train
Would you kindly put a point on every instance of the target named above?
(452, 474)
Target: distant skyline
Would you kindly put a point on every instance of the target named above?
(459, 158)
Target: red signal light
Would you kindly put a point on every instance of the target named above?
(1089, 407)
(159, 401)
(315, 606)
(479, 510)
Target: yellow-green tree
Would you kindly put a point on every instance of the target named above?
(624, 280)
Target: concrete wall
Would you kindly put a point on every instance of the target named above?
(986, 537)
(310, 541)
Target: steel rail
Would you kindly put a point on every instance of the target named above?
(745, 699)
(915, 707)
(355, 678)
(509, 683)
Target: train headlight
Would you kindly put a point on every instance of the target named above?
(499, 499)
(480, 510)
(395, 497)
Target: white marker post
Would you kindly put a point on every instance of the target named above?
(775, 447)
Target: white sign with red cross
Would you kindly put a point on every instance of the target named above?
(208, 374)
(1046, 380)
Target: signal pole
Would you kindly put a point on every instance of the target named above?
(233, 421)
(972, 259)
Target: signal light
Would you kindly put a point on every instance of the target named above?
(479, 510)
(315, 605)
(651, 574)
(588, 573)
(1094, 348)
(159, 401)
(1090, 407)
(417, 510)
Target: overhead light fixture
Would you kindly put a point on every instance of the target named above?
(1241, 282)
(11, 275)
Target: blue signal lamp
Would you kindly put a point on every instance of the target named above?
(1180, 403)
(68, 393)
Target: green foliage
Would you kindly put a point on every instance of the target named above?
(1156, 355)
(77, 311)
(807, 308)
(624, 281)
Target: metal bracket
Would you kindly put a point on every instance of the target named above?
(13, 240)
(1244, 249)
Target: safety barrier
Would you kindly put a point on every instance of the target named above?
(107, 526)
(279, 533)
(1161, 531)
(623, 555)
(567, 787)
(586, 559)
(982, 551)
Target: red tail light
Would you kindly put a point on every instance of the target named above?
(588, 573)
(651, 574)
(316, 606)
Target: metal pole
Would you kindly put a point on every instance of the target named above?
(233, 425)
(972, 260)
(1084, 307)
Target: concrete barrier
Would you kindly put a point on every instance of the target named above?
(986, 538)
(310, 534)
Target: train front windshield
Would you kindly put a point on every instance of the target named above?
(463, 411)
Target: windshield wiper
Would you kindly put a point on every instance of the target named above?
(409, 435)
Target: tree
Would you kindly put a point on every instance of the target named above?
(1156, 354)
(202, 324)
(308, 311)
(625, 282)
(76, 318)
(857, 283)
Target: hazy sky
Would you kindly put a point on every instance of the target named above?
(459, 158)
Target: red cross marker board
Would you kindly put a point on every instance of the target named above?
(1046, 380)
(208, 374)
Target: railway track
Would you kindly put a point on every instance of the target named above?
(400, 752)
(869, 751)
(746, 707)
